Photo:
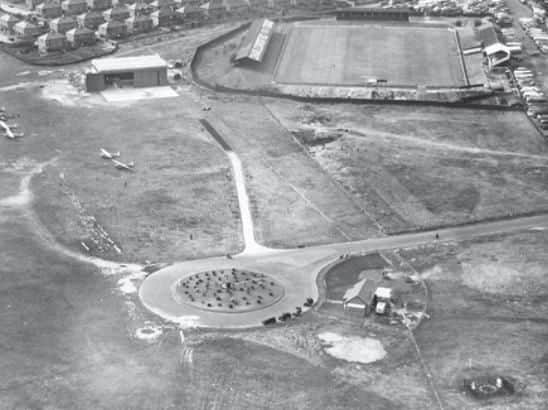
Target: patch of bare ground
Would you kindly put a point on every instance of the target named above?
(422, 167)
(489, 301)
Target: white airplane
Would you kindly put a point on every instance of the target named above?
(109, 155)
(7, 131)
(123, 166)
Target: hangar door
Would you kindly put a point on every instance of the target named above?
(120, 79)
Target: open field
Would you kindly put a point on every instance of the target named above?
(487, 323)
(294, 202)
(419, 167)
(179, 202)
(345, 54)
(67, 337)
(73, 337)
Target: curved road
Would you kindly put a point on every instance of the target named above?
(296, 268)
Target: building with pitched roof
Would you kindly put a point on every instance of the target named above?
(62, 24)
(78, 37)
(49, 9)
(138, 24)
(74, 7)
(119, 13)
(51, 41)
(7, 21)
(162, 17)
(360, 296)
(112, 29)
(91, 20)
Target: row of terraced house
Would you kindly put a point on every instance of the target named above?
(76, 23)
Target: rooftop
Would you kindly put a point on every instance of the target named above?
(126, 63)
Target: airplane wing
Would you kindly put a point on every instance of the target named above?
(121, 165)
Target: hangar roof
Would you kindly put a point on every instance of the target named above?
(115, 64)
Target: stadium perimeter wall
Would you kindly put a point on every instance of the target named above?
(197, 58)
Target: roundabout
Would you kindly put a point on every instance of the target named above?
(243, 292)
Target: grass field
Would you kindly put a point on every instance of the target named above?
(486, 323)
(426, 166)
(404, 55)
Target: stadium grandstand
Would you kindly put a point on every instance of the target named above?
(373, 13)
(255, 42)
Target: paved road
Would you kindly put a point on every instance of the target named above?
(297, 270)
(459, 233)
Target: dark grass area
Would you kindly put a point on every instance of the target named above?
(342, 276)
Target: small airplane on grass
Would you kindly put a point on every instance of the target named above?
(123, 166)
(8, 131)
(109, 155)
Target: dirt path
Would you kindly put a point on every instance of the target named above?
(444, 145)
(22, 203)
(251, 245)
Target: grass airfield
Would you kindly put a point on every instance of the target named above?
(69, 329)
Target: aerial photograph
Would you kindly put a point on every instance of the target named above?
(273, 204)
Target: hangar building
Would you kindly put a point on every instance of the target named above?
(141, 71)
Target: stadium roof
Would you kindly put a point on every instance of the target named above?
(128, 63)
(487, 34)
(256, 40)
(374, 10)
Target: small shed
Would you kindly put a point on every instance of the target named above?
(49, 9)
(214, 9)
(382, 300)
(74, 7)
(119, 13)
(139, 24)
(50, 42)
(360, 296)
(7, 21)
(62, 24)
(78, 37)
(162, 17)
(91, 20)
(25, 29)
(112, 29)
(99, 4)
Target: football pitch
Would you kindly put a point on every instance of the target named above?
(351, 54)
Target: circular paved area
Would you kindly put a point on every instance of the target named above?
(160, 291)
(228, 290)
